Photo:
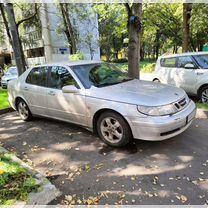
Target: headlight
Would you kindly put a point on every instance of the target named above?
(157, 111)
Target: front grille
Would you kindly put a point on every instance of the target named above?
(169, 132)
(181, 104)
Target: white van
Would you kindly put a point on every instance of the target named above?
(188, 71)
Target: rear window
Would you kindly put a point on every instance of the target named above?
(168, 62)
(37, 76)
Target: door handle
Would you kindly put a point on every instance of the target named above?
(26, 88)
(200, 73)
(52, 93)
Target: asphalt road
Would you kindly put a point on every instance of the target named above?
(174, 171)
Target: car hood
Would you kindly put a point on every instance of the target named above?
(9, 77)
(139, 93)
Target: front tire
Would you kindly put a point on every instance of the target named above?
(23, 110)
(204, 95)
(113, 129)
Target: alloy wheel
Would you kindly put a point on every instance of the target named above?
(204, 96)
(23, 110)
(111, 130)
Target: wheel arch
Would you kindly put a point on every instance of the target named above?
(100, 111)
(200, 88)
(155, 79)
(17, 100)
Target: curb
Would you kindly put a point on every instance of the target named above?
(6, 110)
(48, 191)
(201, 114)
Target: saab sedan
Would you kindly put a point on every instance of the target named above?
(102, 98)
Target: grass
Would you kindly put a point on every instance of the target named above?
(146, 66)
(15, 182)
(3, 99)
(202, 106)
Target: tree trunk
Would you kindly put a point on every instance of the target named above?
(5, 23)
(187, 7)
(157, 44)
(141, 46)
(68, 26)
(134, 40)
(19, 57)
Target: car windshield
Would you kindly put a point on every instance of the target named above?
(202, 60)
(99, 75)
(12, 71)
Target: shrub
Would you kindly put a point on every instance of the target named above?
(148, 68)
(76, 57)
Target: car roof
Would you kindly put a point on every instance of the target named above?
(72, 63)
(184, 54)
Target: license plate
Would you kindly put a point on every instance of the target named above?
(190, 117)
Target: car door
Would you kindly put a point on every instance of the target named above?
(168, 70)
(34, 90)
(65, 106)
(186, 78)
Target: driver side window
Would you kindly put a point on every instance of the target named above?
(60, 77)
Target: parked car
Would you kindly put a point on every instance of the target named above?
(188, 71)
(11, 74)
(102, 98)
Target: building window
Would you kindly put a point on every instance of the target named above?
(35, 52)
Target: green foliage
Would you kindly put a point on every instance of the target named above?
(15, 182)
(162, 28)
(146, 66)
(76, 57)
(112, 28)
(202, 106)
(3, 99)
(199, 26)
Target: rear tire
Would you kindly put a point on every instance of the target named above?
(113, 129)
(24, 111)
(203, 95)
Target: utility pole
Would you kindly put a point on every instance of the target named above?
(16, 44)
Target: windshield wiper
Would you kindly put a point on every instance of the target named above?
(107, 84)
(113, 83)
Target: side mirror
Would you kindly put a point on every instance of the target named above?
(189, 66)
(70, 89)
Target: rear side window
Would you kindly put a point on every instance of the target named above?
(183, 60)
(37, 76)
(168, 62)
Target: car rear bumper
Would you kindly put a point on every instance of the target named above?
(163, 127)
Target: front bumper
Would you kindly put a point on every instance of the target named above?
(159, 128)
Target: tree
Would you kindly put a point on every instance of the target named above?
(187, 7)
(5, 22)
(16, 43)
(13, 31)
(162, 28)
(112, 28)
(199, 26)
(69, 31)
(134, 17)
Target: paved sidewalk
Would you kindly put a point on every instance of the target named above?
(174, 171)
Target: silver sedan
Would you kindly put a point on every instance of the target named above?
(102, 98)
